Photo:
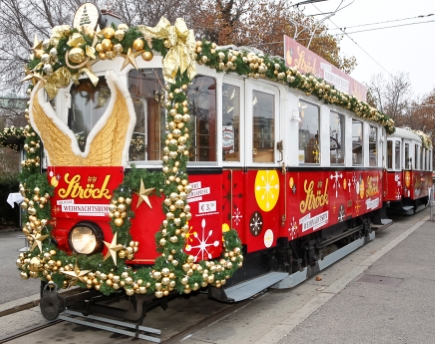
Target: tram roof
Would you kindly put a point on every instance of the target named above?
(406, 133)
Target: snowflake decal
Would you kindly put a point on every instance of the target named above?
(336, 182)
(256, 223)
(292, 229)
(202, 243)
(237, 217)
(341, 213)
(230, 196)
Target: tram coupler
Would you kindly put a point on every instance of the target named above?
(51, 304)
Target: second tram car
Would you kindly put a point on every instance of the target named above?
(409, 171)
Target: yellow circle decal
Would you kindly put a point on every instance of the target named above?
(361, 189)
(407, 179)
(266, 189)
(344, 183)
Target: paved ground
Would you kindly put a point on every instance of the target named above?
(349, 305)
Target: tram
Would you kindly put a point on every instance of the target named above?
(409, 176)
(171, 165)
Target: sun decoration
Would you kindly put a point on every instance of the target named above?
(266, 189)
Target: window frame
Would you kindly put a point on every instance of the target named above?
(251, 86)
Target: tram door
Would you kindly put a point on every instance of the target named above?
(263, 177)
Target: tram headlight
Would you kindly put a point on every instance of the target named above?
(86, 238)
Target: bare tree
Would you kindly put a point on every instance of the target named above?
(391, 96)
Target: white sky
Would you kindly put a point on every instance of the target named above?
(409, 49)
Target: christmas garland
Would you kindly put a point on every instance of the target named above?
(425, 139)
(11, 137)
(62, 59)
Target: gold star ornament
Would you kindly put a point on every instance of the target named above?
(130, 58)
(113, 248)
(37, 241)
(143, 195)
(76, 274)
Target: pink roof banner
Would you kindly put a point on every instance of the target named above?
(305, 61)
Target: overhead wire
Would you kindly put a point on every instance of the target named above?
(365, 52)
(383, 22)
(380, 28)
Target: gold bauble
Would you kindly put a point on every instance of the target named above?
(138, 44)
(119, 222)
(76, 55)
(110, 55)
(107, 44)
(102, 56)
(119, 35)
(129, 292)
(123, 27)
(158, 294)
(24, 275)
(147, 55)
(108, 32)
(118, 49)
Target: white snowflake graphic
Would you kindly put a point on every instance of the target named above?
(292, 229)
(256, 223)
(355, 182)
(202, 243)
(237, 217)
(336, 176)
(268, 185)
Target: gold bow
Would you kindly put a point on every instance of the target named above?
(181, 44)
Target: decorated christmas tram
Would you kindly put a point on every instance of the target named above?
(409, 176)
(171, 165)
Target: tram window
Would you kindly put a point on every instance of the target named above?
(407, 163)
(373, 139)
(309, 143)
(422, 158)
(88, 104)
(230, 122)
(263, 129)
(336, 134)
(202, 106)
(147, 91)
(416, 156)
(357, 142)
(389, 154)
(397, 156)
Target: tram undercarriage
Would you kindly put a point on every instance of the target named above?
(292, 262)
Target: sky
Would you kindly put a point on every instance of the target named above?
(409, 49)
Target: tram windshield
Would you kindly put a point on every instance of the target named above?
(88, 104)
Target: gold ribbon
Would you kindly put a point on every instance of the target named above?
(181, 54)
(59, 79)
(59, 32)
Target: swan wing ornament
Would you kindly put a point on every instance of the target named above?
(108, 141)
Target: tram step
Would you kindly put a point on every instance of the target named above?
(245, 290)
(408, 207)
(386, 221)
(121, 327)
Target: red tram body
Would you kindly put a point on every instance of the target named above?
(298, 173)
(409, 171)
